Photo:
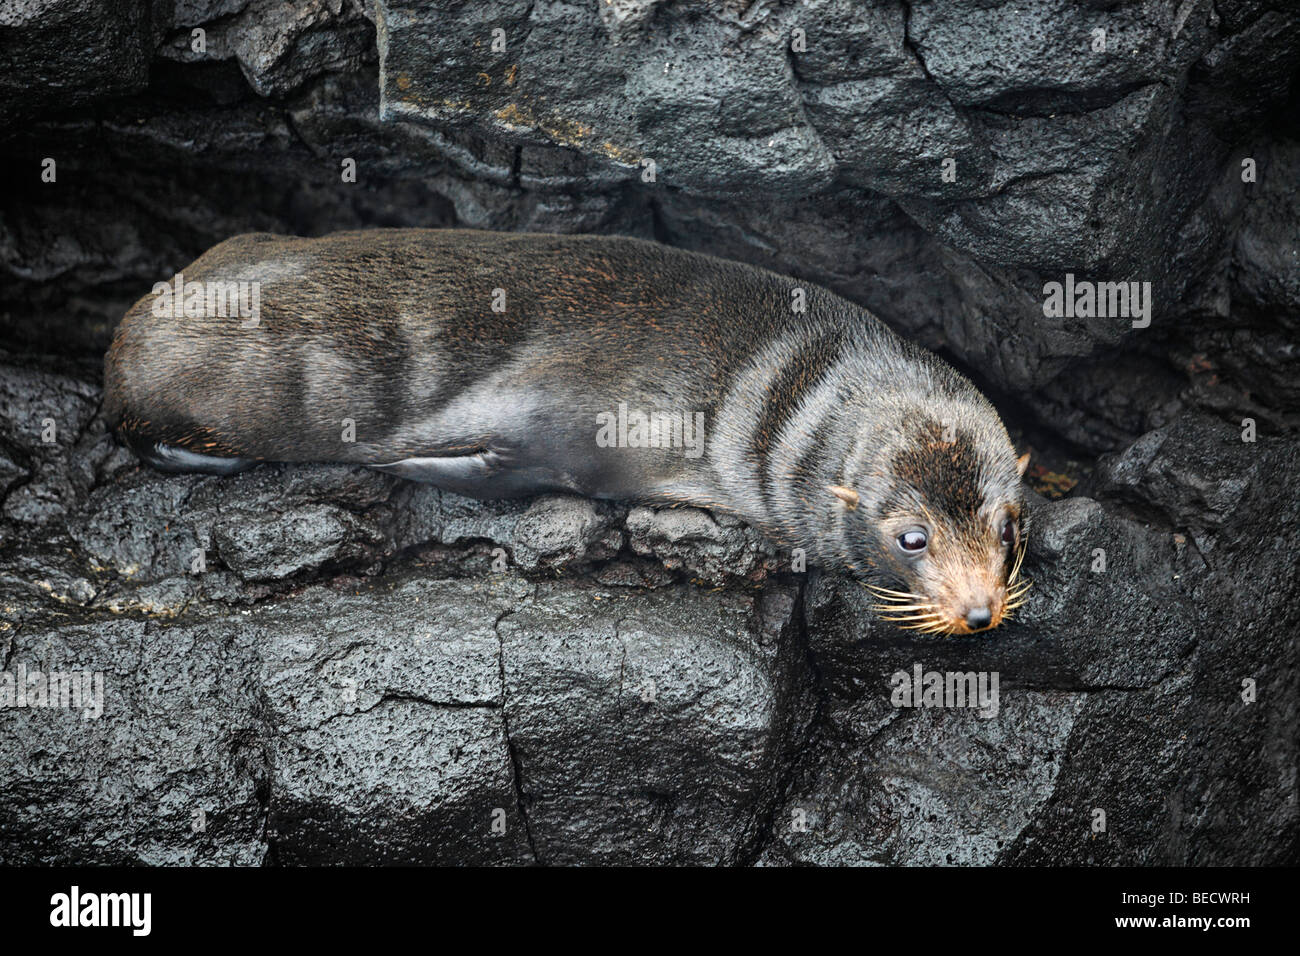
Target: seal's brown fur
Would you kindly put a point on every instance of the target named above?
(394, 331)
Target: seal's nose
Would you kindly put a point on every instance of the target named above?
(978, 618)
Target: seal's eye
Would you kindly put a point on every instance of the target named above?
(1008, 532)
(913, 540)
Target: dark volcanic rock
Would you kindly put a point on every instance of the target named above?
(43, 425)
(58, 53)
(316, 664)
(651, 728)
(412, 721)
(389, 701)
(170, 772)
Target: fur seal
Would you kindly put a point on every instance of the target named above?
(504, 364)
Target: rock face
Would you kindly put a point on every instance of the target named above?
(328, 665)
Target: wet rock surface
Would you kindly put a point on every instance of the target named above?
(329, 665)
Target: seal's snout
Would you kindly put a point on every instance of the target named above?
(979, 611)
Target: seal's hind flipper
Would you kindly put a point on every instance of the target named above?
(170, 458)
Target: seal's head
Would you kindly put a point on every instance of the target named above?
(939, 518)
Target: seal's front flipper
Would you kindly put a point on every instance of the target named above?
(446, 471)
(484, 474)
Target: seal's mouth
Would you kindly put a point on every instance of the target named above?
(917, 612)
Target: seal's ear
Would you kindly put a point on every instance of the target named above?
(1021, 464)
(846, 495)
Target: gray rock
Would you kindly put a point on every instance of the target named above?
(388, 724)
(650, 728)
(169, 773)
(391, 744)
(59, 53)
(279, 46)
(1196, 481)
(713, 548)
(944, 788)
(499, 649)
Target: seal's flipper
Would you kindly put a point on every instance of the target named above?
(483, 474)
(170, 458)
(445, 471)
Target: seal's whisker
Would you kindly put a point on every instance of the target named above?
(926, 609)
(891, 593)
(1018, 601)
(1020, 590)
(924, 619)
(898, 601)
(911, 599)
(934, 627)
(927, 623)
(1014, 576)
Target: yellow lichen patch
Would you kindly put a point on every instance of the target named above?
(133, 605)
(403, 81)
(620, 154)
(563, 132)
(512, 115)
(566, 130)
(512, 74)
(413, 98)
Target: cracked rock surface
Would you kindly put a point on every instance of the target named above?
(323, 665)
